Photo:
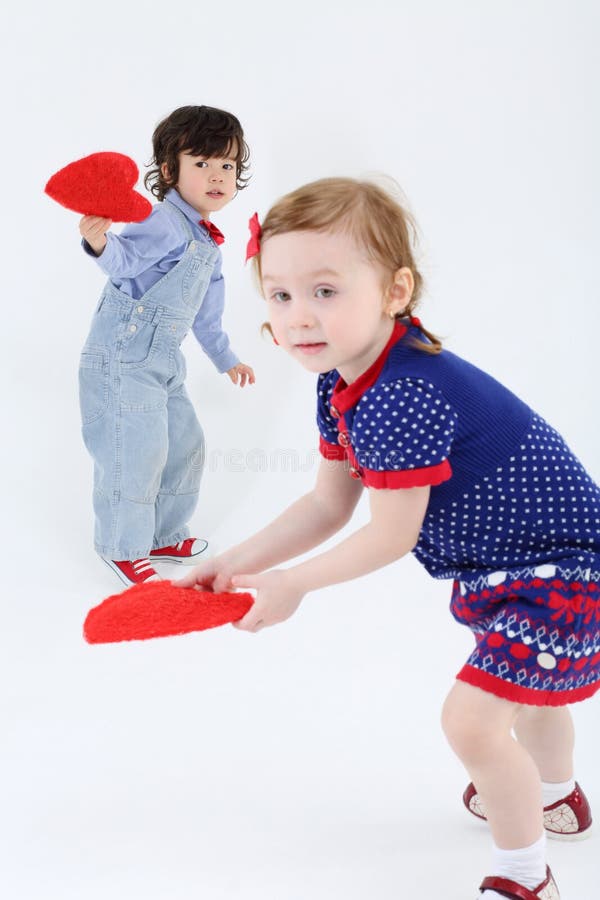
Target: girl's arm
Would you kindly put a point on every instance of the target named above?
(304, 525)
(396, 520)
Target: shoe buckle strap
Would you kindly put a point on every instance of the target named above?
(511, 889)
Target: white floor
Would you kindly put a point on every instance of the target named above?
(303, 762)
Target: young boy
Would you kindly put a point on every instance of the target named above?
(164, 278)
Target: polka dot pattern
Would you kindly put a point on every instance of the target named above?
(515, 520)
(540, 505)
(406, 424)
(517, 497)
(326, 424)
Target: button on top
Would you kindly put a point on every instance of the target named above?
(140, 309)
(133, 327)
(343, 439)
(333, 411)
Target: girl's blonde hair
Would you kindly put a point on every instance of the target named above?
(378, 223)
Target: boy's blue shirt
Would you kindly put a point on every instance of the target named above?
(143, 252)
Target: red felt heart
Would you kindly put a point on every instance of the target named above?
(100, 185)
(160, 609)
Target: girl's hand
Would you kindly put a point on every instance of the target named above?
(243, 372)
(211, 575)
(277, 599)
(93, 230)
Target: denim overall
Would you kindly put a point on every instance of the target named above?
(137, 420)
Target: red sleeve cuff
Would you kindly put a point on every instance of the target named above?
(431, 475)
(331, 451)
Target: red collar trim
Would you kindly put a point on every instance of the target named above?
(344, 395)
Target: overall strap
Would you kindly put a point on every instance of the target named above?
(175, 212)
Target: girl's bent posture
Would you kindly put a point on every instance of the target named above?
(462, 473)
(164, 279)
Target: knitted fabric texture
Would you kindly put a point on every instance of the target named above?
(161, 609)
(507, 492)
(100, 185)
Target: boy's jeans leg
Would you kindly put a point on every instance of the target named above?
(181, 476)
(129, 451)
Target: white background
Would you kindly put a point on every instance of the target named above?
(306, 761)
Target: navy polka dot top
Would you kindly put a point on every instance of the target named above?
(506, 490)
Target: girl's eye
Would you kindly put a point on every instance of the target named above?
(227, 166)
(201, 163)
(280, 296)
(324, 293)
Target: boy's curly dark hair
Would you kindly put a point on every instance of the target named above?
(200, 131)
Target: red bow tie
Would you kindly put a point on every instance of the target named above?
(217, 236)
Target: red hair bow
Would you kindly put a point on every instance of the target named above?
(253, 246)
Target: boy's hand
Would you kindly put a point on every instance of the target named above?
(93, 230)
(244, 373)
(277, 599)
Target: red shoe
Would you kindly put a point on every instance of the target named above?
(136, 572)
(569, 819)
(185, 552)
(547, 890)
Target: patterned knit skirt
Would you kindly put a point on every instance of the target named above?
(537, 631)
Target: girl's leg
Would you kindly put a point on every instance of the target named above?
(478, 726)
(548, 735)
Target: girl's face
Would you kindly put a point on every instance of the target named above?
(326, 300)
(207, 183)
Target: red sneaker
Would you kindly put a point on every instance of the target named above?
(185, 552)
(136, 572)
(547, 890)
(569, 819)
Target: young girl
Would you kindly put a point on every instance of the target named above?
(460, 472)
(164, 278)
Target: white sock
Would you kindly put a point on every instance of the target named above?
(552, 793)
(526, 866)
